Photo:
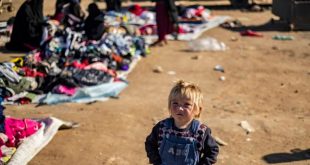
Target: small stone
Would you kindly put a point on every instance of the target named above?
(248, 139)
(171, 73)
(222, 78)
(275, 48)
(233, 38)
(158, 69)
(296, 91)
(197, 57)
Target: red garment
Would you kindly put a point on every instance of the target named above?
(32, 73)
(76, 64)
(251, 33)
(164, 24)
(199, 11)
(136, 9)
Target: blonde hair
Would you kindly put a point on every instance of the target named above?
(187, 90)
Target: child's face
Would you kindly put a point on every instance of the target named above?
(183, 111)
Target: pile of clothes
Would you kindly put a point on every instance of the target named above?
(68, 61)
(12, 133)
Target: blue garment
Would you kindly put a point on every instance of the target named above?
(100, 92)
(179, 148)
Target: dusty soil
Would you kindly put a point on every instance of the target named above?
(267, 84)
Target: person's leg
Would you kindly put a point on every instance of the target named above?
(162, 20)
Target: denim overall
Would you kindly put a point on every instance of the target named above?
(180, 148)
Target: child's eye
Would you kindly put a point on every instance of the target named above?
(188, 105)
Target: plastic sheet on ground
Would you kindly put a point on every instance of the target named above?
(207, 44)
(100, 92)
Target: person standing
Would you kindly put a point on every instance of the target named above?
(94, 24)
(181, 139)
(166, 20)
(28, 26)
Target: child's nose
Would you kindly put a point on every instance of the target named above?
(180, 107)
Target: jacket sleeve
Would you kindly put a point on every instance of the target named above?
(151, 146)
(210, 149)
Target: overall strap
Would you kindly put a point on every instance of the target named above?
(199, 130)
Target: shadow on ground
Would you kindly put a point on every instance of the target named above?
(271, 25)
(13, 54)
(294, 155)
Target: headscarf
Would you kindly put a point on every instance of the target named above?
(93, 10)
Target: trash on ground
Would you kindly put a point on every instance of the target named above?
(246, 126)
(219, 68)
(207, 44)
(232, 24)
(222, 78)
(283, 37)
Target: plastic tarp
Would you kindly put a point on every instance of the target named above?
(100, 92)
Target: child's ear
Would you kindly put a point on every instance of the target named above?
(198, 111)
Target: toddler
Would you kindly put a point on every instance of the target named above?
(181, 139)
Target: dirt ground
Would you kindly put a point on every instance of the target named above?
(267, 84)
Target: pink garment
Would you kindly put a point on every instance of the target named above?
(136, 9)
(61, 89)
(97, 65)
(100, 66)
(18, 129)
(199, 11)
(37, 57)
